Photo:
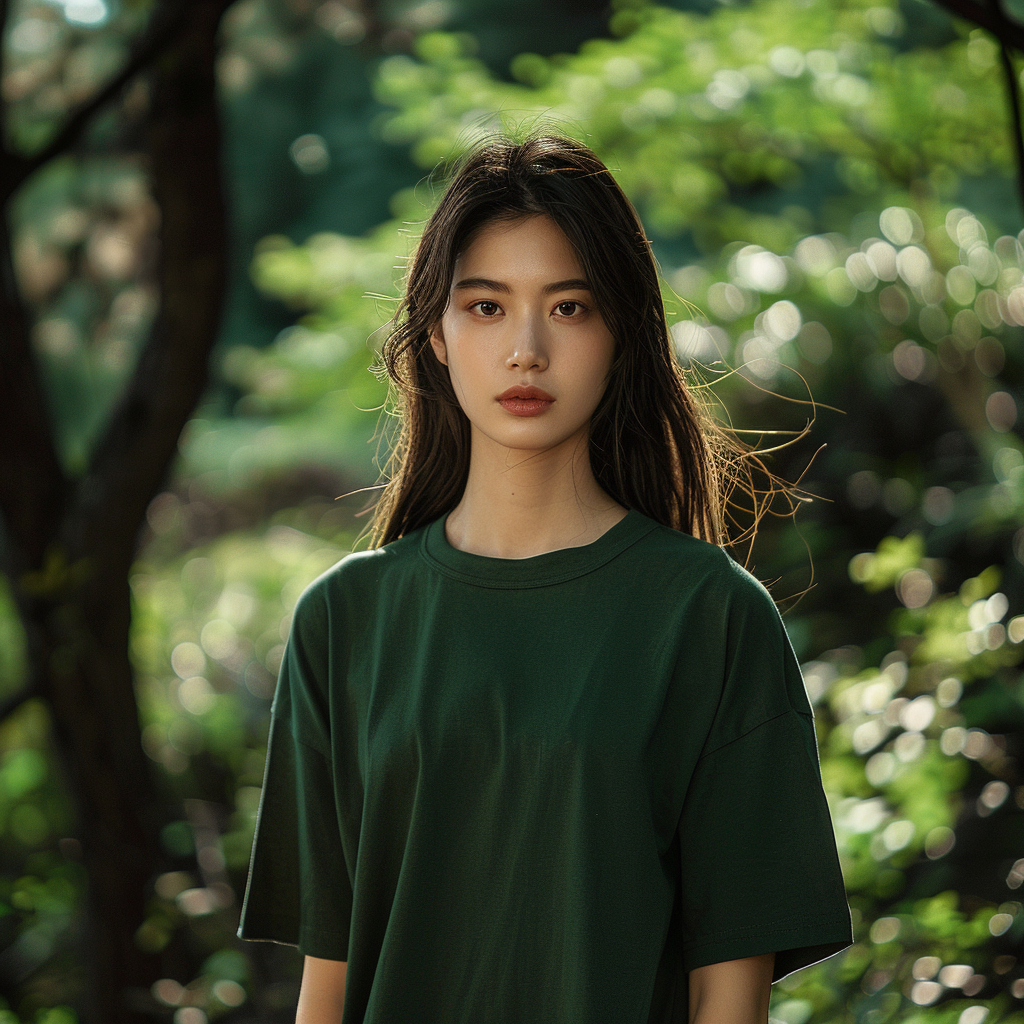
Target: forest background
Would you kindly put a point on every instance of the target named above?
(207, 208)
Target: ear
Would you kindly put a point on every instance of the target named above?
(437, 344)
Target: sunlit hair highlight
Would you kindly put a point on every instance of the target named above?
(654, 445)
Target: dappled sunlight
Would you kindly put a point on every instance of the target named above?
(828, 188)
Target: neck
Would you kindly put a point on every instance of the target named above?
(519, 503)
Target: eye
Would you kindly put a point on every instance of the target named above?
(569, 309)
(486, 307)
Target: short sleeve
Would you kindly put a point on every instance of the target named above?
(299, 890)
(760, 870)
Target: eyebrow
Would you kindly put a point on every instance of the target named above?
(572, 284)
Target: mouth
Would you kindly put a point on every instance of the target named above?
(525, 392)
(525, 401)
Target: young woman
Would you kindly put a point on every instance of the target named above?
(544, 752)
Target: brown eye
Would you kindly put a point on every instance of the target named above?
(487, 308)
(568, 308)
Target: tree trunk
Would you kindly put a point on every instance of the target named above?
(70, 543)
(96, 730)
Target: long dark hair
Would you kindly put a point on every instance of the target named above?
(654, 446)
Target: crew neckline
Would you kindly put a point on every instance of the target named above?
(541, 570)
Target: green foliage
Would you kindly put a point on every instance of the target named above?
(695, 115)
(690, 109)
(883, 278)
(823, 196)
(895, 556)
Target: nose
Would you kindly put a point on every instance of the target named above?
(527, 350)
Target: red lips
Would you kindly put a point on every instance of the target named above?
(525, 391)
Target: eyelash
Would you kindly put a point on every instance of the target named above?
(567, 302)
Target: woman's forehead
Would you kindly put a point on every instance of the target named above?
(528, 247)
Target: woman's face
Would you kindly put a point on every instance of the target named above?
(520, 313)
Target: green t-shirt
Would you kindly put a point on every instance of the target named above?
(542, 789)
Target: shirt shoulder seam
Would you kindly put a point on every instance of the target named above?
(789, 711)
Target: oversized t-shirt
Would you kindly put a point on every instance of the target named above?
(542, 789)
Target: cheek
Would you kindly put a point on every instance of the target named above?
(595, 362)
(469, 353)
(464, 369)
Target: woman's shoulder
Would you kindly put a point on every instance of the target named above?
(358, 570)
(702, 564)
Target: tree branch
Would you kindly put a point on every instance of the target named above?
(32, 483)
(1003, 29)
(134, 453)
(33, 486)
(1008, 32)
(1017, 139)
(165, 24)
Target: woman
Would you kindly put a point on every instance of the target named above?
(544, 753)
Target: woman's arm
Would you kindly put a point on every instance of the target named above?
(732, 992)
(322, 994)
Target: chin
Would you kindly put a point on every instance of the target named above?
(532, 440)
